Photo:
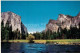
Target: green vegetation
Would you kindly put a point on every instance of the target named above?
(65, 41)
(57, 41)
(8, 34)
(16, 41)
(31, 38)
(5, 31)
(63, 35)
(72, 33)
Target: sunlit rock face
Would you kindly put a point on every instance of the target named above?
(52, 25)
(76, 21)
(63, 21)
(13, 19)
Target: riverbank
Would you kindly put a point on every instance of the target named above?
(56, 41)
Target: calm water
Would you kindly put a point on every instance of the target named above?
(38, 48)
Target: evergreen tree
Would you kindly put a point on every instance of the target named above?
(2, 31)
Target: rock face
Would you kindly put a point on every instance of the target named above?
(63, 21)
(23, 28)
(14, 21)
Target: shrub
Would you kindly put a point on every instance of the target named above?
(31, 38)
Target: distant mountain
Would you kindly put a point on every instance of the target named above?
(14, 21)
(63, 21)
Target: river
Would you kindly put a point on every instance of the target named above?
(38, 48)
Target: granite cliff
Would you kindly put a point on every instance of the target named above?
(63, 21)
(14, 21)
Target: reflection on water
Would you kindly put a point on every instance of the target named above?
(38, 48)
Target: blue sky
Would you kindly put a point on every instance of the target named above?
(36, 14)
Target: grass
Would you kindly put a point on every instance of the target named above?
(59, 41)
(16, 40)
(65, 40)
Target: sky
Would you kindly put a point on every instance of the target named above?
(36, 14)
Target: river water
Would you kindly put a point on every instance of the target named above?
(38, 48)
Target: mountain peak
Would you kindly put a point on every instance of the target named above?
(14, 21)
(52, 21)
(63, 21)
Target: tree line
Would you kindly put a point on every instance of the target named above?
(8, 34)
(72, 33)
